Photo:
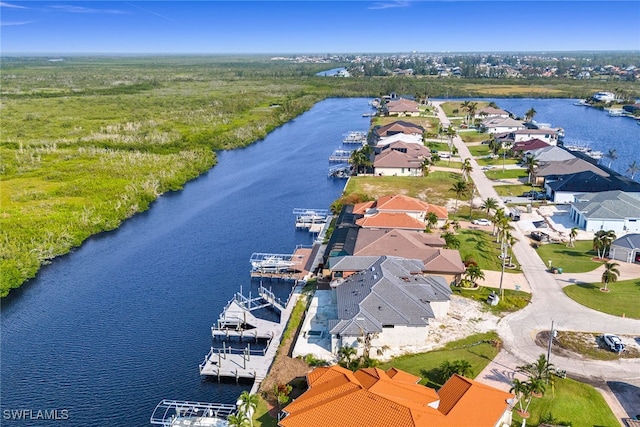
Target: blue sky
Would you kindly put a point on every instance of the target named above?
(173, 27)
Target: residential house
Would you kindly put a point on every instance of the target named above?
(372, 397)
(495, 125)
(550, 136)
(604, 97)
(528, 146)
(401, 159)
(626, 248)
(413, 245)
(485, 112)
(550, 171)
(399, 137)
(396, 127)
(402, 108)
(390, 302)
(399, 203)
(563, 189)
(607, 210)
(549, 154)
(389, 220)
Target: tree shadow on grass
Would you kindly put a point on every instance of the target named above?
(589, 286)
(433, 377)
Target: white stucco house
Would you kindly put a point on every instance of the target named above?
(609, 210)
(388, 300)
(498, 124)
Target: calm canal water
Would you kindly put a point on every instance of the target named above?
(584, 126)
(108, 331)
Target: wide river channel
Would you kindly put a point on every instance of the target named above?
(111, 329)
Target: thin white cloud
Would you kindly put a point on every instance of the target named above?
(14, 23)
(391, 4)
(150, 11)
(87, 10)
(11, 6)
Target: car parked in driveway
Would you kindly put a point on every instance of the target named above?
(613, 342)
(481, 221)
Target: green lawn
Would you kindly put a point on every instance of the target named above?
(425, 365)
(570, 401)
(473, 136)
(514, 190)
(482, 247)
(512, 301)
(449, 106)
(479, 150)
(434, 188)
(572, 260)
(622, 300)
(507, 174)
(438, 146)
(496, 162)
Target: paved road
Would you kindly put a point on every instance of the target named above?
(549, 304)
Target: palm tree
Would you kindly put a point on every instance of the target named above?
(607, 239)
(522, 390)
(248, 405)
(612, 155)
(539, 370)
(464, 106)
(530, 114)
(460, 188)
(473, 273)
(471, 109)
(451, 241)
(530, 163)
(345, 356)
(472, 191)
(610, 274)
(432, 220)
(456, 225)
(426, 166)
(488, 204)
(633, 169)
(435, 158)
(498, 215)
(572, 237)
(453, 150)
(238, 420)
(598, 243)
(466, 169)
(451, 133)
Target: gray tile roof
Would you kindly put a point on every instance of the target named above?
(608, 205)
(388, 292)
(566, 167)
(630, 241)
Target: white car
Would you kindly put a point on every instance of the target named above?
(613, 342)
(481, 221)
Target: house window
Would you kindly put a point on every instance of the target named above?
(388, 326)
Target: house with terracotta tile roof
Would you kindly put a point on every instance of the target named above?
(402, 107)
(399, 203)
(412, 244)
(530, 144)
(389, 220)
(390, 300)
(372, 397)
(400, 159)
(399, 126)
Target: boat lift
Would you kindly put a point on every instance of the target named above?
(274, 263)
(340, 156)
(355, 137)
(340, 171)
(176, 413)
(312, 219)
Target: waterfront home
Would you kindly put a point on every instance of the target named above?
(400, 159)
(549, 171)
(626, 248)
(485, 112)
(401, 108)
(493, 125)
(550, 136)
(603, 97)
(608, 210)
(343, 239)
(396, 127)
(564, 188)
(549, 154)
(399, 203)
(389, 220)
(389, 301)
(429, 248)
(399, 137)
(372, 397)
(528, 146)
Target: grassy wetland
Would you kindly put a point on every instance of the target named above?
(87, 142)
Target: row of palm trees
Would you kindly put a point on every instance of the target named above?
(538, 374)
(612, 156)
(247, 407)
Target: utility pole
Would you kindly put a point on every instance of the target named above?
(551, 333)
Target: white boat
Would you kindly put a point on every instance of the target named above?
(585, 150)
(355, 137)
(275, 264)
(340, 156)
(617, 112)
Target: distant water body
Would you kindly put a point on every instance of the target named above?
(584, 126)
(108, 331)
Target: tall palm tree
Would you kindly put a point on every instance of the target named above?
(472, 192)
(598, 243)
(530, 163)
(453, 151)
(572, 237)
(238, 420)
(464, 106)
(540, 369)
(489, 204)
(522, 390)
(432, 220)
(610, 274)
(466, 169)
(528, 116)
(607, 239)
(248, 405)
(426, 166)
(633, 169)
(498, 215)
(612, 155)
(460, 188)
(451, 133)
